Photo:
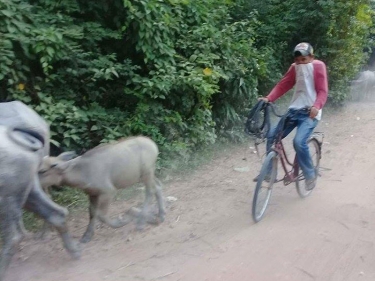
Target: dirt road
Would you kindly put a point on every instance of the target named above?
(209, 234)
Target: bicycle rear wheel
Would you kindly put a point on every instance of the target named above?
(315, 155)
(263, 189)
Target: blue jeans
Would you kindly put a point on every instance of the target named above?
(305, 126)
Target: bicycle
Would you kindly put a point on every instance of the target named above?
(292, 171)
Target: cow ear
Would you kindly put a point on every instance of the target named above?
(66, 156)
(64, 166)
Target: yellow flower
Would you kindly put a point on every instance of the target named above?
(21, 86)
(207, 71)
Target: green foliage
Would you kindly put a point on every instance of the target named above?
(70, 197)
(338, 29)
(182, 72)
(346, 40)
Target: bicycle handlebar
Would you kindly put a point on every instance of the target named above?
(272, 105)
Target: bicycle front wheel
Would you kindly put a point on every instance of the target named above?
(263, 189)
(315, 154)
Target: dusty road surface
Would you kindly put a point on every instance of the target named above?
(209, 234)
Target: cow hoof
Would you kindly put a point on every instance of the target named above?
(140, 227)
(152, 220)
(161, 218)
(75, 251)
(76, 255)
(85, 239)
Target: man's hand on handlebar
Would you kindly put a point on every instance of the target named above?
(313, 110)
(264, 99)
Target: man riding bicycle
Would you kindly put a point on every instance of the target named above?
(309, 77)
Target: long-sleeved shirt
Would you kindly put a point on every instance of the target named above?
(289, 81)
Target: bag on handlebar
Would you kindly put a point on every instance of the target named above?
(258, 122)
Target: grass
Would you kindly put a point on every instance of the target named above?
(73, 199)
(31, 221)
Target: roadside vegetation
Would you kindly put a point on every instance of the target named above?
(184, 73)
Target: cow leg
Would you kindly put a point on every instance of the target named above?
(150, 183)
(103, 204)
(39, 203)
(10, 217)
(22, 229)
(99, 206)
(46, 228)
(93, 215)
(160, 199)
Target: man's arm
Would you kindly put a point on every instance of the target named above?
(321, 84)
(284, 85)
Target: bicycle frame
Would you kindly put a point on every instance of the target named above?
(291, 175)
(294, 173)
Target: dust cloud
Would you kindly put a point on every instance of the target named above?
(363, 88)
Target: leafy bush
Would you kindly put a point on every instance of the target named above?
(182, 72)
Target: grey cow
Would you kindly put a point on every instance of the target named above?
(20, 158)
(104, 169)
(18, 115)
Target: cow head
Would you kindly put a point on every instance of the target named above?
(52, 169)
